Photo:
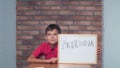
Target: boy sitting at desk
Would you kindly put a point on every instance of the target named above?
(50, 48)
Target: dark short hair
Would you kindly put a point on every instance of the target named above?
(52, 27)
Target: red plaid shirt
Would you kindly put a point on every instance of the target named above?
(46, 50)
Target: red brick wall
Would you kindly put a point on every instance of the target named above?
(73, 16)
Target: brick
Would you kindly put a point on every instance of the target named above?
(64, 8)
(53, 2)
(93, 28)
(19, 13)
(41, 27)
(31, 42)
(96, 23)
(84, 13)
(24, 18)
(94, 8)
(42, 7)
(25, 28)
(24, 37)
(66, 13)
(40, 2)
(24, 47)
(18, 32)
(23, 63)
(94, 18)
(70, 2)
(26, 52)
(50, 12)
(30, 32)
(40, 17)
(39, 37)
(41, 32)
(97, 32)
(79, 18)
(82, 22)
(19, 3)
(77, 27)
(18, 52)
(18, 22)
(90, 8)
(67, 32)
(47, 22)
(65, 22)
(30, 22)
(38, 7)
(100, 44)
(55, 8)
(64, 27)
(21, 8)
(32, 12)
(49, 17)
(23, 58)
(98, 13)
(54, 17)
(46, 7)
(88, 3)
(62, 17)
(76, 7)
(85, 3)
(19, 42)
(75, 32)
(100, 38)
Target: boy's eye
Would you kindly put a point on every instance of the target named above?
(51, 34)
(48, 34)
(55, 34)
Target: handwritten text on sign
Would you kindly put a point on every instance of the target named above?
(77, 46)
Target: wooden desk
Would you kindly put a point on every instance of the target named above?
(42, 65)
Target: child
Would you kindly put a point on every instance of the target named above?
(49, 48)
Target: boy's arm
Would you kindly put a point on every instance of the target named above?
(54, 60)
(31, 58)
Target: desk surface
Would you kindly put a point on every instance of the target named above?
(42, 65)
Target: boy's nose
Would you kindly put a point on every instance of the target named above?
(51, 36)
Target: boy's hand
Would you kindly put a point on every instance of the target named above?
(99, 51)
(48, 61)
(52, 60)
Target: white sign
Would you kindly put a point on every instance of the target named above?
(77, 48)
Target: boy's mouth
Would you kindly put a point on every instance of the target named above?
(51, 39)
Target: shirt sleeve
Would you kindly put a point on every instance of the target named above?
(38, 51)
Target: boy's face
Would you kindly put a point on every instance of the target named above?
(52, 36)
